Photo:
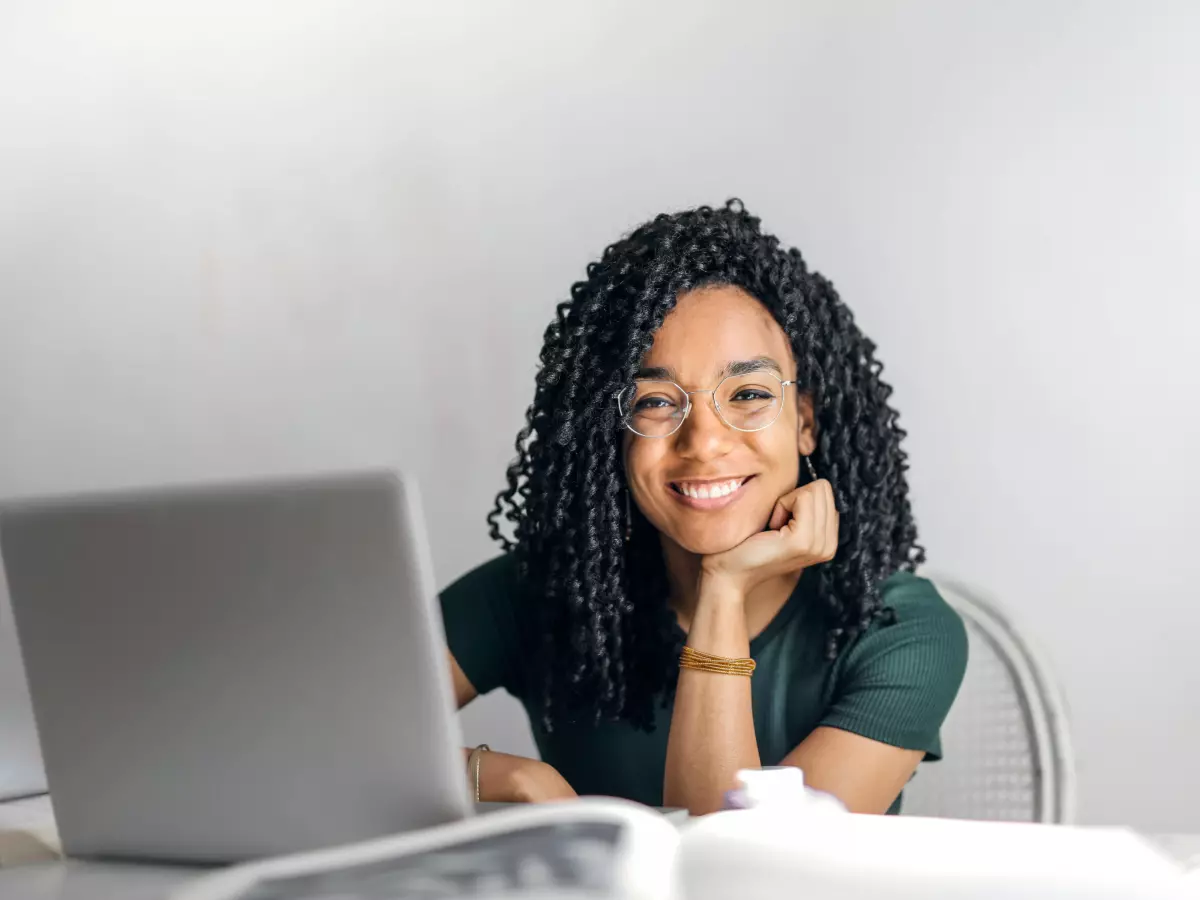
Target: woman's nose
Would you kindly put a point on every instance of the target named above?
(703, 435)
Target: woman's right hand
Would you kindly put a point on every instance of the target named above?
(517, 779)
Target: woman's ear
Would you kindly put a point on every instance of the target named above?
(806, 425)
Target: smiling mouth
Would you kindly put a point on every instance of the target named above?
(709, 490)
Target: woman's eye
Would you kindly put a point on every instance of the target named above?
(747, 395)
(652, 403)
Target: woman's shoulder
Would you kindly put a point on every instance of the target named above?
(923, 631)
(496, 576)
(916, 600)
(496, 584)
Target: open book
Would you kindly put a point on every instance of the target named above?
(600, 848)
(585, 848)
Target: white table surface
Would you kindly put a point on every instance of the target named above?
(56, 879)
(72, 880)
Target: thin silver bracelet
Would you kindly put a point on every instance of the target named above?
(473, 765)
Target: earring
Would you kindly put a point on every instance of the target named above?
(812, 472)
(628, 518)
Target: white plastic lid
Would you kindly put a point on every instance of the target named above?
(783, 788)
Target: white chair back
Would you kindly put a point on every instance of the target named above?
(1007, 752)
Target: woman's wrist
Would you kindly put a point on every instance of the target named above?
(496, 776)
(718, 625)
(720, 588)
(474, 769)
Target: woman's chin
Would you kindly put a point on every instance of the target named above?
(715, 542)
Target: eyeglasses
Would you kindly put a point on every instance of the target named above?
(656, 409)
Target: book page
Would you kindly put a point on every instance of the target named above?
(568, 859)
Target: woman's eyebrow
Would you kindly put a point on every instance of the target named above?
(656, 373)
(747, 366)
(739, 367)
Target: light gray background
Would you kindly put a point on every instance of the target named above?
(257, 237)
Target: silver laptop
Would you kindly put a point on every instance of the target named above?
(235, 671)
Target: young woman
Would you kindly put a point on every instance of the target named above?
(710, 474)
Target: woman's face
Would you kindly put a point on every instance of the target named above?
(708, 331)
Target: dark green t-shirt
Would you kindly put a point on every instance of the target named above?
(894, 683)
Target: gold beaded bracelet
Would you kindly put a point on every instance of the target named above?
(722, 665)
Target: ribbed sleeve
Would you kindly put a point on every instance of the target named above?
(897, 682)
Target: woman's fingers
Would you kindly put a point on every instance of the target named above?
(832, 524)
(820, 504)
(811, 519)
(797, 533)
(781, 513)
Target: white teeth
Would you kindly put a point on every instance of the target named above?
(709, 491)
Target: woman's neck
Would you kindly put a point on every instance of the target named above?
(683, 575)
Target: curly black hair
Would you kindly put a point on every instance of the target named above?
(610, 641)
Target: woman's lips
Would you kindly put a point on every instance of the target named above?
(709, 494)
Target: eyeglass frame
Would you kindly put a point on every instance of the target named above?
(716, 405)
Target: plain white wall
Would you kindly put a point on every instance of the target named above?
(257, 237)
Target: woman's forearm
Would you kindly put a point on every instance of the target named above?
(712, 727)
